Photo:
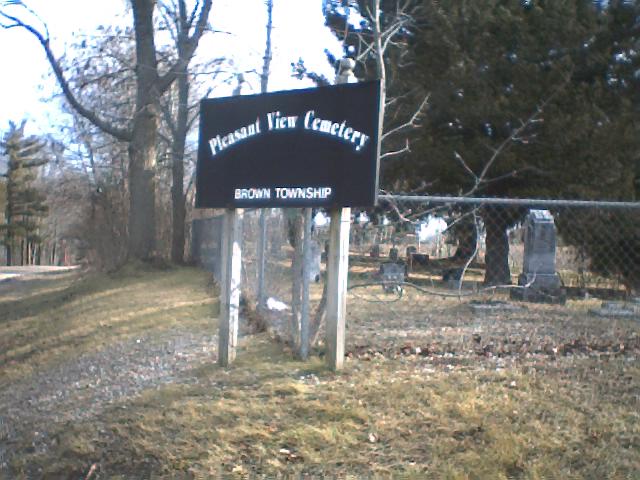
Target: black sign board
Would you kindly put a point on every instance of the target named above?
(300, 148)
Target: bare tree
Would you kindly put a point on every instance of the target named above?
(177, 116)
(268, 55)
(141, 131)
(383, 37)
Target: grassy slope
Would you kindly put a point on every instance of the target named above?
(407, 416)
(47, 321)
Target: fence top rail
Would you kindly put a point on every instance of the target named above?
(528, 202)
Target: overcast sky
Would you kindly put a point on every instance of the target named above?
(26, 82)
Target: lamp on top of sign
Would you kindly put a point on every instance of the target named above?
(300, 148)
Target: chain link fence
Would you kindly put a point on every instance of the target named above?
(481, 242)
(446, 247)
(273, 271)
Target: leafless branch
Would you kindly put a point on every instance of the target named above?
(466, 167)
(119, 133)
(476, 222)
(168, 15)
(515, 137)
(412, 122)
(189, 46)
(394, 153)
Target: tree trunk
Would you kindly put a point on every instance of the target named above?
(179, 210)
(150, 86)
(142, 185)
(381, 70)
(497, 253)
(9, 219)
(9, 245)
(466, 233)
(266, 60)
(142, 148)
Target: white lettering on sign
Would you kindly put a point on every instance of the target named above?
(276, 121)
(335, 129)
(283, 193)
(293, 193)
(252, 193)
(219, 143)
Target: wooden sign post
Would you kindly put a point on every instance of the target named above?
(337, 273)
(338, 262)
(231, 253)
(311, 148)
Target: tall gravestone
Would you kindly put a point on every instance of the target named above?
(315, 257)
(539, 280)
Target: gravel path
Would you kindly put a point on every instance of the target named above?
(84, 386)
(12, 273)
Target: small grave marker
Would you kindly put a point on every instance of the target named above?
(392, 275)
(452, 276)
(617, 309)
(416, 259)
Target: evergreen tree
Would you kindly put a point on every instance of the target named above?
(536, 99)
(527, 99)
(25, 205)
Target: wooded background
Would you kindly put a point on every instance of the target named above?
(484, 98)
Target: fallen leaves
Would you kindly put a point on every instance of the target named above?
(504, 347)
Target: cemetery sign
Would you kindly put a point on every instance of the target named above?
(301, 148)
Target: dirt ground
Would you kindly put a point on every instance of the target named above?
(435, 386)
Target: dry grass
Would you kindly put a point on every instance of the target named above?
(458, 411)
(50, 320)
(271, 416)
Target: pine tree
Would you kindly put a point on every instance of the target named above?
(25, 205)
(537, 99)
(527, 99)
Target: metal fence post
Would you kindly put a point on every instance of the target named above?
(262, 244)
(306, 262)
